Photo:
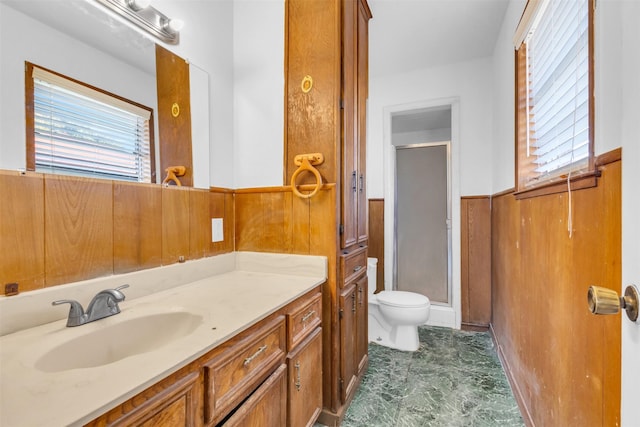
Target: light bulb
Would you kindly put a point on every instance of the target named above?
(176, 24)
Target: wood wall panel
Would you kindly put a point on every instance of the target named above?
(172, 81)
(563, 361)
(78, 236)
(199, 223)
(376, 238)
(97, 227)
(175, 224)
(22, 230)
(137, 226)
(222, 205)
(475, 253)
(272, 220)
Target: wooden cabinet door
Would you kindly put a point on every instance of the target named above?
(266, 407)
(349, 132)
(362, 330)
(173, 402)
(362, 42)
(348, 366)
(305, 381)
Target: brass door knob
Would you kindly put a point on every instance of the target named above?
(606, 301)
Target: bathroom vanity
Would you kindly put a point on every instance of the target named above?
(240, 347)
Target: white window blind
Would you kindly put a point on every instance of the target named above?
(558, 86)
(85, 132)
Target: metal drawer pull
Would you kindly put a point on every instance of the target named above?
(357, 268)
(308, 315)
(256, 354)
(298, 385)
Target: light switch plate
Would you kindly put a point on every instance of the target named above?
(217, 230)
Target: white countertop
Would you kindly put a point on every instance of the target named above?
(228, 303)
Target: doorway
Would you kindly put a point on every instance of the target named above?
(422, 202)
(415, 124)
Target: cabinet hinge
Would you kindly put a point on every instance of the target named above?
(341, 228)
(341, 104)
(341, 384)
(340, 313)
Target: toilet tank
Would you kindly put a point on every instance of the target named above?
(372, 273)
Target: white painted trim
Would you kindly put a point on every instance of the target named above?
(442, 316)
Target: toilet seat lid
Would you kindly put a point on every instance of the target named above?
(402, 299)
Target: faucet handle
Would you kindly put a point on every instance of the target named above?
(119, 296)
(75, 309)
(76, 313)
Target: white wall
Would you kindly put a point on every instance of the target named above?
(258, 131)
(470, 82)
(466, 86)
(24, 39)
(503, 81)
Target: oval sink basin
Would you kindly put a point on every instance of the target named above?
(119, 340)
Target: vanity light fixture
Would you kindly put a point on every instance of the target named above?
(146, 17)
(138, 4)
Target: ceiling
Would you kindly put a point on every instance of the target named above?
(422, 119)
(406, 35)
(88, 22)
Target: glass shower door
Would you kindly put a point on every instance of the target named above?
(422, 221)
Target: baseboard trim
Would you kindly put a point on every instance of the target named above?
(334, 419)
(517, 393)
(442, 316)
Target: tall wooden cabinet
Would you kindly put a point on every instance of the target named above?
(326, 59)
(355, 56)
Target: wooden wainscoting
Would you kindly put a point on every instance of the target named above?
(22, 230)
(376, 238)
(475, 260)
(272, 219)
(60, 229)
(563, 361)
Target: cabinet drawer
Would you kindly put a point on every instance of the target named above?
(352, 265)
(303, 320)
(241, 367)
(173, 401)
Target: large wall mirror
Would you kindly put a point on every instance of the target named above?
(81, 40)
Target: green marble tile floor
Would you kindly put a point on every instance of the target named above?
(453, 380)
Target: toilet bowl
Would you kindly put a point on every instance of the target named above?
(394, 316)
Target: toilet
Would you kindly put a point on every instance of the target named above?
(394, 316)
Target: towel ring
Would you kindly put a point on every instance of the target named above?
(173, 172)
(306, 166)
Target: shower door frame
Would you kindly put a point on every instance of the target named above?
(448, 224)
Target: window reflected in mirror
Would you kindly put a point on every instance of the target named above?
(77, 129)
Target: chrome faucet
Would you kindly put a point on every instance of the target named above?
(104, 304)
